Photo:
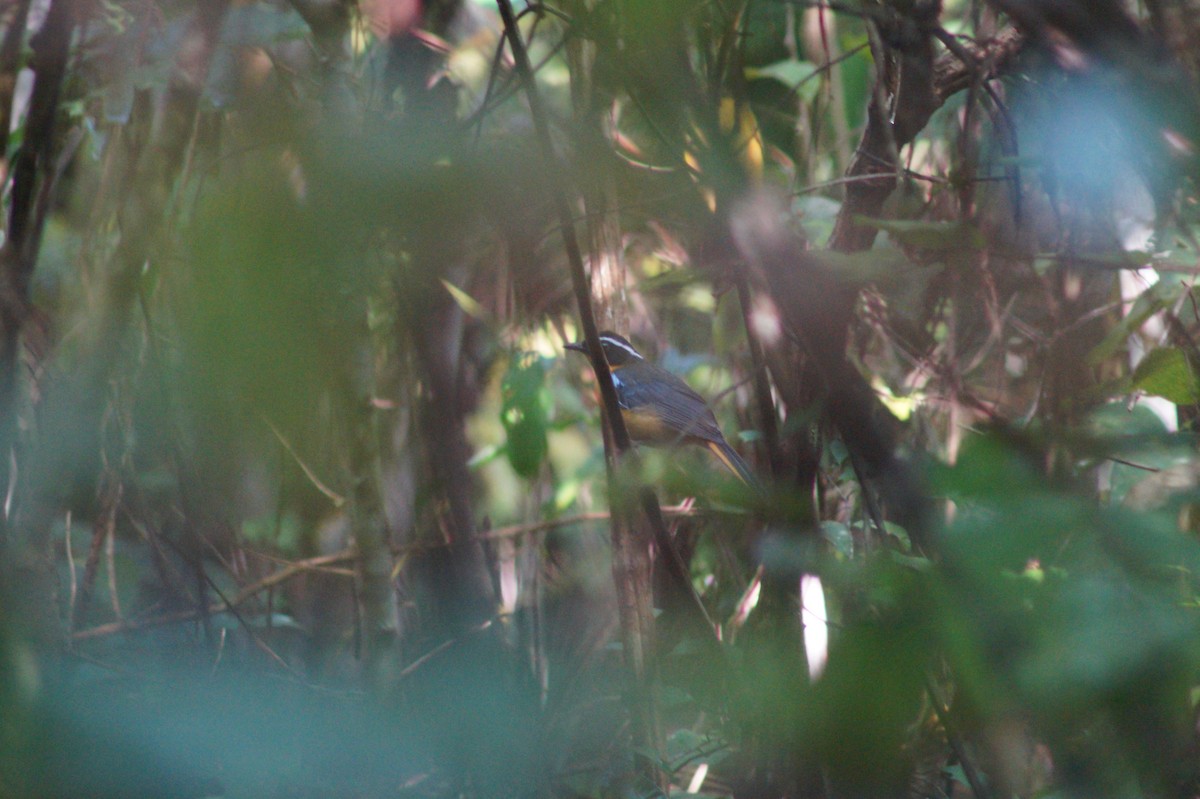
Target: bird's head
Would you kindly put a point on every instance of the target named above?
(617, 350)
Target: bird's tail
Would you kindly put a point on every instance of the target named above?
(733, 462)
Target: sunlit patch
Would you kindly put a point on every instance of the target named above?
(1179, 143)
(1134, 212)
(540, 341)
(509, 585)
(757, 225)
(698, 297)
(1072, 285)
(256, 67)
(901, 407)
(816, 628)
(360, 38)
(295, 174)
(765, 321)
(1014, 364)
(698, 778)
(469, 66)
(1033, 571)
(1069, 56)
(745, 605)
(391, 18)
(11, 489)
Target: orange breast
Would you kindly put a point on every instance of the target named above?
(647, 428)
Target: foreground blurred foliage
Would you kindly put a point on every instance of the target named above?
(301, 499)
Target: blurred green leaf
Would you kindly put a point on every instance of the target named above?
(817, 215)
(465, 301)
(929, 235)
(273, 314)
(282, 534)
(524, 414)
(838, 536)
(883, 265)
(1166, 372)
(1148, 303)
(789, 71)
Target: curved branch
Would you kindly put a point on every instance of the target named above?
(872, 171)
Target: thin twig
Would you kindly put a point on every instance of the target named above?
(442, 647)
(71, 568)
(516, 530)
(325, 564)
(767, 415)
(110, 537)
(337, 499)
(10, 61)
(579, 278)
(508, 88)
(1131, 464)
(225, 605)
(979, 787)
(829, 64)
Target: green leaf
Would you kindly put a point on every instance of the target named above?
(838, 536)
(881, 266)
(523, 413)
(1148, 303)
(465, 301)
(928, 235)
(685, 743)
(789, 72)
(1166, 372)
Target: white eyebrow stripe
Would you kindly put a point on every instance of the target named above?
(622, 345)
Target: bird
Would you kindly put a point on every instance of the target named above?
(659, 408)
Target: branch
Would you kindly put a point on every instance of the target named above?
(32, 166)
(873, 171)
(566, 220)
(10, 61)
(637, 623)
(281, 576)
(324, 562)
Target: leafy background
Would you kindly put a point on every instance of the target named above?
(304, 498)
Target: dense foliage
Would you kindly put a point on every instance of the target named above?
(302, 495)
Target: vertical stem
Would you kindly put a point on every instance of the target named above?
(605, 249)
(822, 31)
(369, 529)
(566, 219)
(10, 61)
(762, 385)
(51, 46)
(465, 597)
(631, 562)
(29, 579)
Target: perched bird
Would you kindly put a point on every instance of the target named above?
(659, 408)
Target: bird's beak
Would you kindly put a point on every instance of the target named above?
(578, 346)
